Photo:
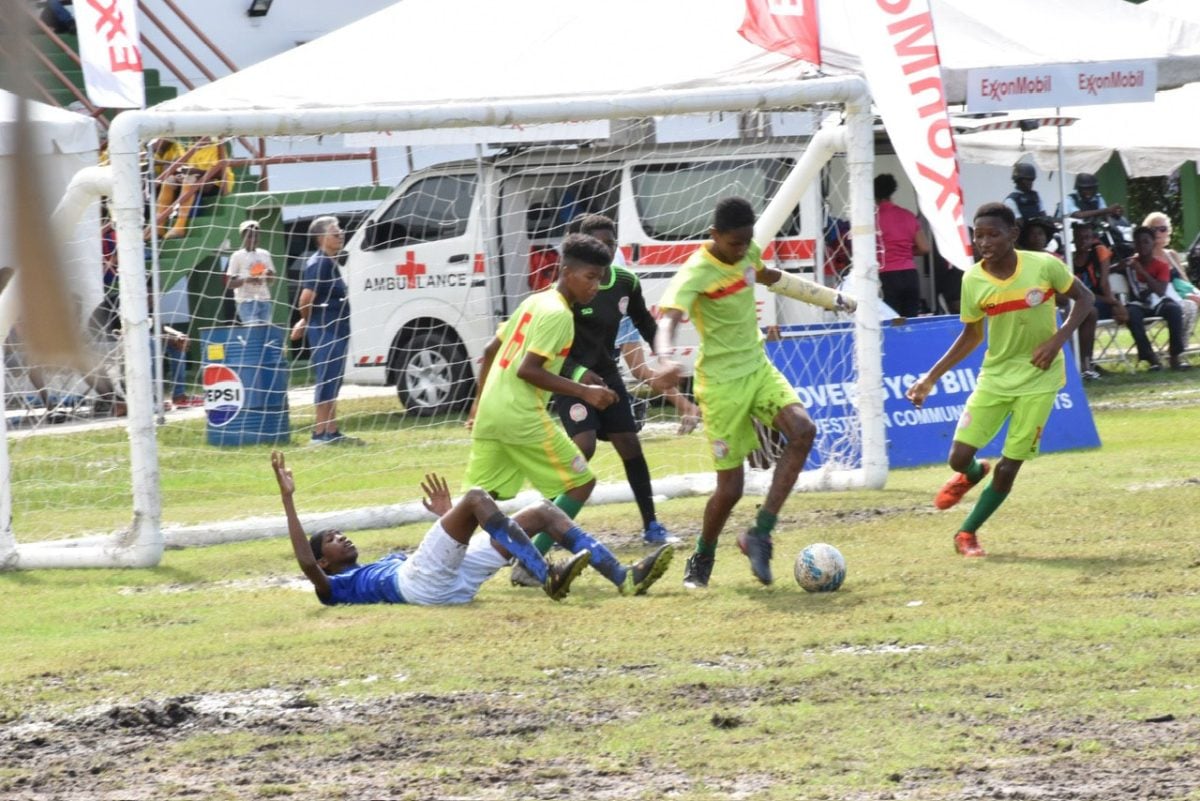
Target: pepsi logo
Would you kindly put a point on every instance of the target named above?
(223, 394)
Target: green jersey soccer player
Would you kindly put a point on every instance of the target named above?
(735, 383)
(1023, 368)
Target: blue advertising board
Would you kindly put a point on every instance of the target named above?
(914, 436)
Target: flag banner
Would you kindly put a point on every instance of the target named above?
(784, 26)
(111, 52)
(902, 66)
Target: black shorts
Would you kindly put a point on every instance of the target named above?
(619, 418)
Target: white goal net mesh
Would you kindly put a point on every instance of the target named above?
(445, 233)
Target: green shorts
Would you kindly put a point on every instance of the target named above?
(986, 413)
(553, 466)
(730, 407)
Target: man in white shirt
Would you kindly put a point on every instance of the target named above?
(251, 274)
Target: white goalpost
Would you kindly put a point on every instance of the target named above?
(631, 178)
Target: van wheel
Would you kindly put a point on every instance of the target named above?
(433, 376)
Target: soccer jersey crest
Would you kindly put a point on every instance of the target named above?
(623, 304)
(578, 412)
(720, 448)
(1034, 297)
(579, 464)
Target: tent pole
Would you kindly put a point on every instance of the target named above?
(1067, 234)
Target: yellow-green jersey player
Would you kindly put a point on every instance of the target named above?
(1023, 369)
(735, 383)
(514, 437)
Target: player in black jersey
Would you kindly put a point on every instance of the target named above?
(593, 360)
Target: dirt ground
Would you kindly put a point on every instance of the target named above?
(254, 745)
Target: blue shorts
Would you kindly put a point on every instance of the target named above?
(328, 344)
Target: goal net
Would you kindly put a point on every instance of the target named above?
(447, 229)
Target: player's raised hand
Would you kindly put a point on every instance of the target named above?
(437, 494)
(287, 484)
(919, 391)
(599, 397)
(666, 375)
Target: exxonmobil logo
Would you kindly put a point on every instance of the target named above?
(223, 394)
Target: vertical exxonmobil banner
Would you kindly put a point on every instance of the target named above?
(784, 26)
(111, 52)
(901, 64)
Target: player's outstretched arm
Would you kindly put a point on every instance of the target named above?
(806, 291)
(968, 339)
(437, 494)
(300, 546)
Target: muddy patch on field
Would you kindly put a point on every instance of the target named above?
(292, 742)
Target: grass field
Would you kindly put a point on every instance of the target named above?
(1061, 667)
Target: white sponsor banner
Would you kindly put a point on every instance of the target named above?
(902, 67)
(1057, 85)
(111, 52)
(483, 135)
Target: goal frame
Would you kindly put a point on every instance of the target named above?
(142, 543)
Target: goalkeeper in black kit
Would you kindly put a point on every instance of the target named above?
(593, 360)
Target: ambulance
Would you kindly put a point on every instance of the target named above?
(451, 252)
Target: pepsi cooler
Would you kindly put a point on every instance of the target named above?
(245, 383)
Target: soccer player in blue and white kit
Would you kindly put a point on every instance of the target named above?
(448, 567)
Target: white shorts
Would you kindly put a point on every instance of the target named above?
(443, 571)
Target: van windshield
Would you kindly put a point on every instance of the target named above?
(675, 201)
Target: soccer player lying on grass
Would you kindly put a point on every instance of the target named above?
(1023, 368)
(447, 568)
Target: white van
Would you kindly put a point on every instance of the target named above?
(453, 250)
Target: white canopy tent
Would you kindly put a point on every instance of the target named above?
(1150, 138)
(415, 53)
(65, 143)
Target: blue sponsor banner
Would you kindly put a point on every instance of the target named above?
(915, 436)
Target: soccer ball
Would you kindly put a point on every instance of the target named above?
(820, 568)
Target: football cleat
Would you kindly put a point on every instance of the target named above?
(953, 490)
(520, 577)
(657, 534)
(967, 544)
(561, 574)
(640, 575)
(758, 550)
(698, 571)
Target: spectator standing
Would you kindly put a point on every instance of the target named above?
(898, 238)
(325, 319)
(251, 275)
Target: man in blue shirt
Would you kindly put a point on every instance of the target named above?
(325, 318)
(448, 567)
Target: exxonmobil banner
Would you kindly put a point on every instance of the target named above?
(902, 66)
(111, 52)
(1046, 85)
(784, 26)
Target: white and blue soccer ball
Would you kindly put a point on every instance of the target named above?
(820, 568)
